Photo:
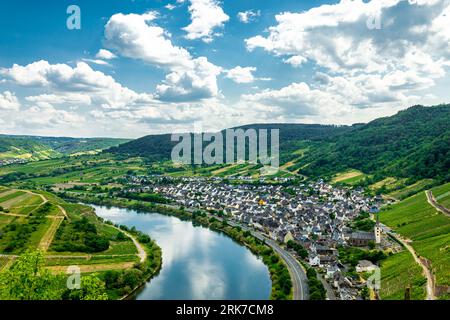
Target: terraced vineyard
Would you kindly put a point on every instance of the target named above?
(398, 272)
(414, 218)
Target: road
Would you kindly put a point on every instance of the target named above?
(432, 201)
(298, 274)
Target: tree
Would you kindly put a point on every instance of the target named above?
(27, 279)
(91, 288)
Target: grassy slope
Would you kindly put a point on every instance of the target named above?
(39, 148)
(397, 273)
(415, 219)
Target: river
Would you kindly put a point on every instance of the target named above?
(197, 263)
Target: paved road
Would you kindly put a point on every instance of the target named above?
(298, 274)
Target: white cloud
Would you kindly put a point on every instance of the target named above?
(72, 99)
(407, 54)
(9, 101)
(248, 16)
(197, 82)
(241, 75)
(44, 114)
(105, 54)
(82, 79)
(206, 16)
(134, 36)
(297, 99)
(97, 61)
(295, 61)
(170, 7)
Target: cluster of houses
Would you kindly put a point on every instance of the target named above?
(5, 162)
(314, 214)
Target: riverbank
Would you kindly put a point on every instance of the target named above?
(279, 274)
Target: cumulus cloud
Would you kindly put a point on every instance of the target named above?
(9, 101)
(206, 16)
(65, 80)
(248, 16)
(297, 99)
(241, 75)
(408, 52)
(45, 114)
(135, 36)
(105, 54)
(197, 82)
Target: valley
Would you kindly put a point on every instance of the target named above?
(319, 210)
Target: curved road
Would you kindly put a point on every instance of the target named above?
(298, 274)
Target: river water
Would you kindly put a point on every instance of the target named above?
(197, 263)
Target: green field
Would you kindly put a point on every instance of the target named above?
(411, 189)
(429, 229)
(350, 177)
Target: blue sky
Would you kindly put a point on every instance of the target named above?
(140, 67)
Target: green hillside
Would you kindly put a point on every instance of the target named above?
(39, 148)
(414, 218)
(292, 138)
(411, 145)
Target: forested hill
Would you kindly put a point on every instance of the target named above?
(413, 143)
(159, 147)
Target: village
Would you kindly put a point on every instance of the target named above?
(315, 215)
(6, 162)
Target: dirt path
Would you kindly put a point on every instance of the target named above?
(424, 264)
(427, 272)
(64, 212)
(94, 267)
(142, 254)
(13, 214)
(47, 239)
(432, 201)
(44, 199)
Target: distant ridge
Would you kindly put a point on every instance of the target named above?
(39, 148)
(414, 143)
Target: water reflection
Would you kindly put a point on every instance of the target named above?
(197, 263)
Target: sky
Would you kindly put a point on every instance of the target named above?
(128, 68)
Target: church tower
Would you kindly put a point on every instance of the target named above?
(377, 230)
